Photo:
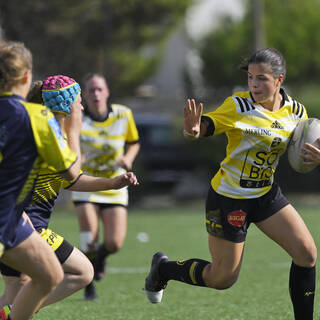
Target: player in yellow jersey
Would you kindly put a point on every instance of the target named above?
(30, 136)
(109, 145)
(62, 95)
(258, 124)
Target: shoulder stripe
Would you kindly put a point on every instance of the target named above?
(240, 104)
(244, 104)
(302, 111)
(293, 106)
(297, 108)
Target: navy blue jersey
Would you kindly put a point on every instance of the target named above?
(29, 136)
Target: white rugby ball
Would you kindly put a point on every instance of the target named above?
(307, 131)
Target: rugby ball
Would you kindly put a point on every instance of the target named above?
(307, 131)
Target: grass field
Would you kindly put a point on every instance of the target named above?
(260, 293)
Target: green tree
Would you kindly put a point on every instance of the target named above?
(291, 26)
(120, 38)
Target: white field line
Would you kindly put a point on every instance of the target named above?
(128, 270)
(141, 270)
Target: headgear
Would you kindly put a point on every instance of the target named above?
(60, 92)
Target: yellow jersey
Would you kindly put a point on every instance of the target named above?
(256, 137)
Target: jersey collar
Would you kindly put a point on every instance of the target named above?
(109, 110)
(10, 94)
(282, 92)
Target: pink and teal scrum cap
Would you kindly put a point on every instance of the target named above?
(60, 92)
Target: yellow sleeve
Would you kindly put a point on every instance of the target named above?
(67, 184)
(51, 145)
(132, 134)
(224, 117)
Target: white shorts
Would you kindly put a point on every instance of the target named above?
(109, 196)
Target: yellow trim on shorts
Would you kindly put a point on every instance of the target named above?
(53, 239)
(191, 272)
(213, 223)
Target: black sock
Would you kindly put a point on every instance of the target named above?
(302, 284)
(188, 271)
(91, 255)
(102, 252)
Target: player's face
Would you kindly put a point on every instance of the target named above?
(262, 84)
(96, 94)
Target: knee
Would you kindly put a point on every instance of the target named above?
(48, 279)
(307, 256)
(87, 274)
(113, 246)
(54, 278)
(225, 281)
(221, 279)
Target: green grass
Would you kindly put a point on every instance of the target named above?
(260, 293)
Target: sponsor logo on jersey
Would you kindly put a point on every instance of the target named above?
(277, 125)
(276, 142)
(257, 132)
(237, 218)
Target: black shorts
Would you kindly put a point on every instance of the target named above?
(100, 205)
(62, 253)
(230, 218)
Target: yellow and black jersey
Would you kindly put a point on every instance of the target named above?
(257, 138)
(29, 136)
(46, 191)
(102, 144)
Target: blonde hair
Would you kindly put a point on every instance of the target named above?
(15, 60)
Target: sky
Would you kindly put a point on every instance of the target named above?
(204, 15)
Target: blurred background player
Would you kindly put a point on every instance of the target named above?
(29, 136)
(109, 146)
(62, 95)
(258, 124)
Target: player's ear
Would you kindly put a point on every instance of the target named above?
(281, 79)
(26, 76)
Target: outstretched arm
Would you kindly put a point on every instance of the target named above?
(87, 183)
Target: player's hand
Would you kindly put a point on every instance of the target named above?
(310, 154)
(125, 179)
(192, 119)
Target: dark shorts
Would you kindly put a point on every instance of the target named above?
(230, 218)
(62, 251)
(22, 232)
(100, 205)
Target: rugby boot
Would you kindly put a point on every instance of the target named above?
(90, 292)
(154, 285)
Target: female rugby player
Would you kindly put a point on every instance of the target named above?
(62, 95)
(109, 146)
(29, 136)
(258, 124)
